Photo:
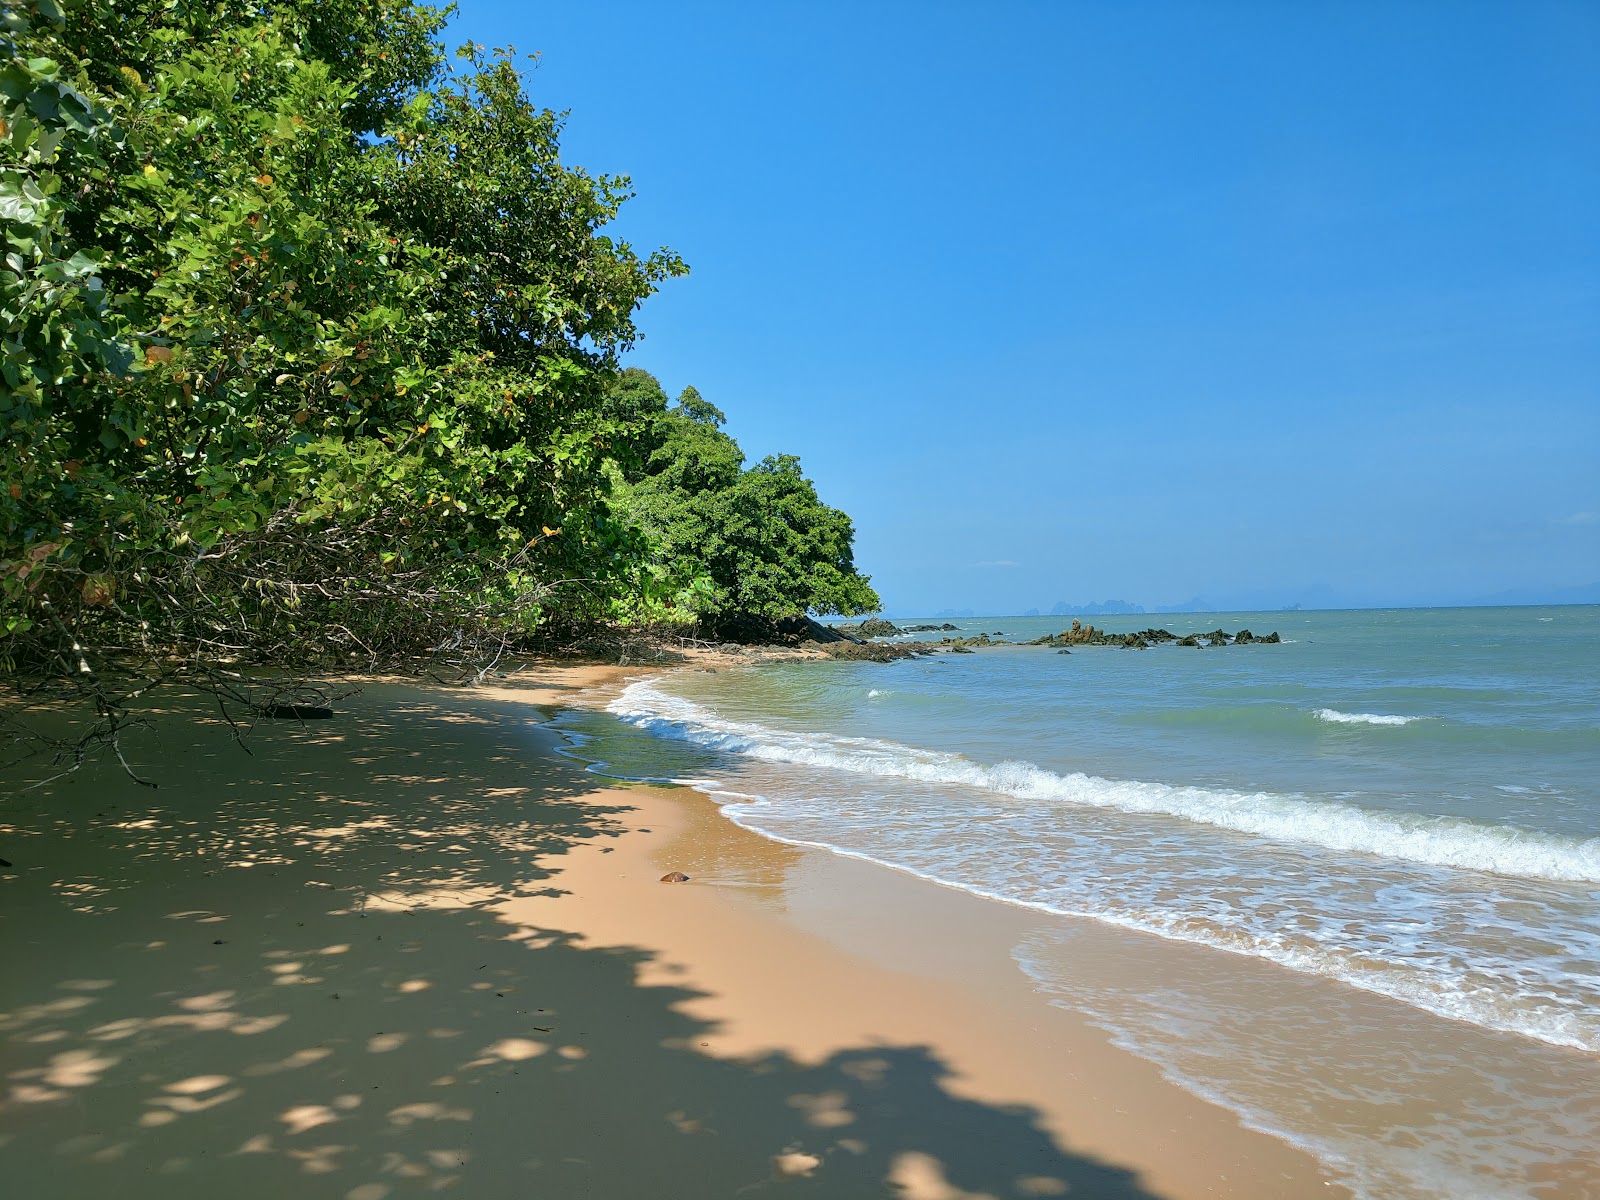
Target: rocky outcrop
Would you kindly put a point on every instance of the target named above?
(1087, 635)
(870, 628)
(1079, 635)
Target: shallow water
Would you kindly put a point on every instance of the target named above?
(1403, 803)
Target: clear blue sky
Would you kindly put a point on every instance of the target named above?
(1260, 302)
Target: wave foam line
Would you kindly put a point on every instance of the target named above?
(1334, 716)
(1417, 990)
(1430, 840)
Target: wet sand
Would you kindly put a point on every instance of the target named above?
(417, 949)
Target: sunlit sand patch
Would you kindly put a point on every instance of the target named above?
(684, 1123)
(303, 1117)
(318, 1160)
(209, 1002)
(211, 1021)
(196, 1084)
(516, 1049)
(382, 1043)
(1041, 1185)
(290, 974)
(792, 1164)
(67, 1070)
(826, 1110)
(168, 1108)
(33, 1093)
(426, 1110)
(920, 1176)
(28, 1014)
(292, 1062)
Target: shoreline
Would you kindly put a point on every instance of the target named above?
(914, 1058)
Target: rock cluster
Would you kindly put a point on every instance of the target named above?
(874, 627)
(870, 628)
(1087, 635)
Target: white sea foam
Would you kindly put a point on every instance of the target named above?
(1433, 840)
(1336, 717)
(1444, 996)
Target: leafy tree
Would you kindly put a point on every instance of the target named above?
(755, 543)
(308, 334)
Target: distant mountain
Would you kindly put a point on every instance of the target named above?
(1106, 608)
(947, 613)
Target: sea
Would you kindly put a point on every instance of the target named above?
(1377, 843)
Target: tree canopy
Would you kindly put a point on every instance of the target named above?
(753, 543)
(312, 353)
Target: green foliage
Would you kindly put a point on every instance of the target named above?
(754, 543)
(307, 340)
(311, 350)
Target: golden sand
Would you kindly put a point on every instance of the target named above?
(416, 950)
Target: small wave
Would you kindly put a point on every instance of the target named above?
(873, 693)
(1431, 840)
(1336, 717)
(1446, 997)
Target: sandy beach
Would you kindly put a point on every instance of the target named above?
(418, 949)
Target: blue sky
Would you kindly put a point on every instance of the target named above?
(1257, 302)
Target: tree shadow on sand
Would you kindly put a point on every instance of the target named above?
(176, 1023)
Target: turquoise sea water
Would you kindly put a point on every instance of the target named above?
(1405, 803)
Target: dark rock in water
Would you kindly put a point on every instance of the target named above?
(873, 651)
(870, 628)
(1218, 637)
(1134, 642)
(1271, 637)
(296, 712)
(961, 650)
(5, 862)
(1063, 651)
(674, 877)
(1243, 638)
(1191, 640)
(808, 632)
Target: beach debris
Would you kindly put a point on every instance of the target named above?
(296, 712)
(674, 877)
